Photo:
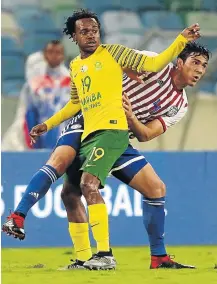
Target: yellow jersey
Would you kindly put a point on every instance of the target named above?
(96, 84)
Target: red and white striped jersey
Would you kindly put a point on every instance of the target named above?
(157, 98)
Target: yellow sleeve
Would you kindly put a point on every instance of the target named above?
(69, 110)
(129, 58)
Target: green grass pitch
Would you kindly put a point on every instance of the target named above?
(133, 267)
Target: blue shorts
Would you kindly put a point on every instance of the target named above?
(128, 165)
(124, 169)
(71, 134)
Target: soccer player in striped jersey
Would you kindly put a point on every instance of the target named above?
(90, 73)
(152, 104)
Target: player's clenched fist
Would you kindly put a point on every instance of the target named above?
(37, 131)
(192, 33)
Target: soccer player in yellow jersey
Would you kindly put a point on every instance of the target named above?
(96, 76)
(96, 88)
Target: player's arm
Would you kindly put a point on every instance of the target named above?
(154, 128)
(145, 132)
(69, 110)
(129, 58)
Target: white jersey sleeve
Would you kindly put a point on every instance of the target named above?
(174, 115)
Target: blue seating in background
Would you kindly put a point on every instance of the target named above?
(12, 87)
(12, 66)
(162, 20)
(9, 44)
(208, 87)
(134, 5)
(60, 16)
(33, 24)
(209, 42)
(30, 10)
(210, 5)
(142, 4)
(33, 42)
(96, 5)
(34, 19)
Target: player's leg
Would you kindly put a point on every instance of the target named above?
(100, 152)
(133, 169)
(148, 183)
(61, 158)
(78, 223)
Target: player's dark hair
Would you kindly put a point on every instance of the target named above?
(54, 42)
(195, 48)
(77, 15)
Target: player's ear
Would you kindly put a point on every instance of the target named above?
(179, 63)
(74, 38)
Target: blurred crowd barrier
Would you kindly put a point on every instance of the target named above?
(191, 215)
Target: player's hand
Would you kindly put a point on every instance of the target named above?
(127, 107)
(192, 33)
(37, 131)
(133, 75)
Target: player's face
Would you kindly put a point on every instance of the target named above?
(54, 54)
(193, 69)
(87, 35)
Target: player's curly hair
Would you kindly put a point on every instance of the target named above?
(196, 48)
(77, 15)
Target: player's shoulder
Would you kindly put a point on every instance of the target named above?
(74, 61)
(112, 46)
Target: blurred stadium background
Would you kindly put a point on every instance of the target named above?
(27, 25)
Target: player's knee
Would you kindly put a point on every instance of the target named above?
(157, 190)
(90, 191)
(70, 196)
(163, 189)
(87, 187)
(59, 163)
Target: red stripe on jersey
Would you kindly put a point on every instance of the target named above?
(179, 101)
(152, 74)
(148, 85)
(143, 90)
(149, 110)
(162, 122)
(146, 95)
(126, 82)
(151, 83)
(161, 109)
(170, 103)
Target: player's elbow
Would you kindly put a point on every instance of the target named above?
(143, 137)
(146, 136)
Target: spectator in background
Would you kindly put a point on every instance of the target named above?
(40, 62)
(45, 92)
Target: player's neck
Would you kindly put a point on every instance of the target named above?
(178, 80)
(86, 54)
